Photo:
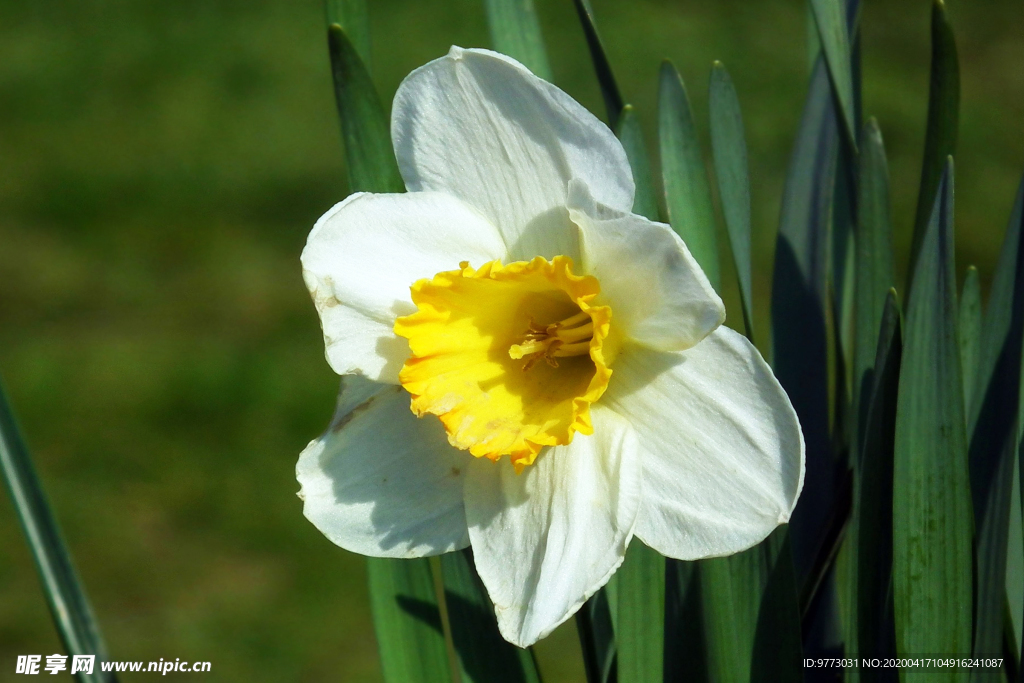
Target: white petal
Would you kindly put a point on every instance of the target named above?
(363, 256)
(723, 455)
(480, 126)
(545, 540)
(658, 294)
(382, 482)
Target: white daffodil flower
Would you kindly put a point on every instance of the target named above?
(531, 369)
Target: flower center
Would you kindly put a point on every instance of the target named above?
(569, 337)
(477, 339)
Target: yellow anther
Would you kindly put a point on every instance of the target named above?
(565, 338)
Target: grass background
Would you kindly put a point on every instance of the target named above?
(160, 167)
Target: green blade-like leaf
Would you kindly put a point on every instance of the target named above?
(515, 31)
(484, 656)
(1015, 566)
(406, 617)
(364, 127)
(799, 336)
(613, 101)
(943, 119)
(729, 147)
(403, 600)
(874, 262)
(684, 176)
(830, 17)
(69, 606)
(777, 656)
(970, 333)
(645, 202)
(407, 621)
(874, 482)
(730, 593)
(932, 525)
(685, 647)
(640, 629)
(352, 17)
(597, 637)
(843, 247)
(995, 435)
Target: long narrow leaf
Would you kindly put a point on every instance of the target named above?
(515, 31)
(406, 616)
(640, 632)
(729, 147)
(1015, 566)
(932, 574)
(995, 433)
(364, 127)
(798, 306)
(874, 602)
(684, 176)
(407, 621)
(874, 262)
(830, 17)
(72, 614)
(640, 581)
(970, 334)
(597, 638)
(354, 20)
(645, 201)
(685, 645)
(403, 600)
(484, 656)
(777, 649)
(731, 593)
(613, 101)
(943, 120)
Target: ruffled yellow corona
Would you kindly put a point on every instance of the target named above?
(508, 357)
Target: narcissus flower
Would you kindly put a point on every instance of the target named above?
(530, 368)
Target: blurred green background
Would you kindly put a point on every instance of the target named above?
(160, 167)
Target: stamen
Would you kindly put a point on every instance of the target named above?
(579, 349)
(575, 334)
(569, 337)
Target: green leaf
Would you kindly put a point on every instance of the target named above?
(685, 647)
(684, 176)
(406, 616)
(731, 592)
(874, 494)
(729, 147)
(970, 333)
(932, 525)
(364, 126)
(799, 336)
(1015, 565)
(830, 17)
(515, 31)
(352, 17)
(777, 656)
(640, 629)
(874, 263)
(69, 606)
(943, 118)
(597, 637)
(645, 202)
(613, 101)
(407, 621)
(995, 433)
(484, 656)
